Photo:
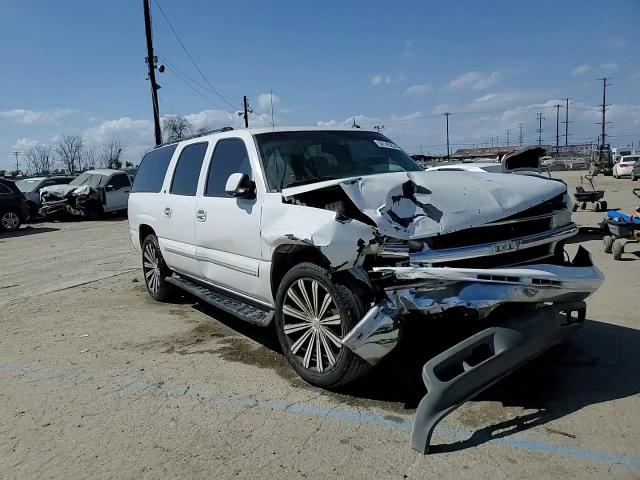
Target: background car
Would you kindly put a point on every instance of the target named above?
(625, 166)
(13, 206)
(635, 171)
(31, 188)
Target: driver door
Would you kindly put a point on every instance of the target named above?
(117, 192)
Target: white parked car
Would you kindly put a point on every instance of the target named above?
(338, 238)
(624, 168)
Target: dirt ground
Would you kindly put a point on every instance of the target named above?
(98, 381)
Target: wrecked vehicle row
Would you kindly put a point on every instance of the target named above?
(339, 238)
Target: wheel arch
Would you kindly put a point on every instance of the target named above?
(287, 256)
(144, 231)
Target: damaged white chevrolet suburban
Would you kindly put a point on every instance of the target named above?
(337, 237)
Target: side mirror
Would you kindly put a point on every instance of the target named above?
(239, 185)
(109, 188)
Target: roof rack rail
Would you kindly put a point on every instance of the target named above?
(196, 135)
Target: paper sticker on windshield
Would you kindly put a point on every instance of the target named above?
(382, 144)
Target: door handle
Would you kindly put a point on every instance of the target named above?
(167, 212)
(201, 215)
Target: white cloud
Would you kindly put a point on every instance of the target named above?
(475, 80)
(380, 79)
(419, 89)
(124, 129)
(439, 109)
(24, 144)
(501, 99)
(28, 117)
(581, 70)
(264, 102)
(609, 67)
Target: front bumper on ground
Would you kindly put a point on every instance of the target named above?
(476, 363)
(554, 308)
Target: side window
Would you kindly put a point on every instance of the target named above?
(152, 169)
(230, 156)
(4, 190)
(119, 181)
(187, 172)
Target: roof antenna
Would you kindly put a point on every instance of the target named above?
(354, 123)
(273, 125)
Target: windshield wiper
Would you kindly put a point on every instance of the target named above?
(309, 180)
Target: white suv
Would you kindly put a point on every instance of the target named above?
(339, 238)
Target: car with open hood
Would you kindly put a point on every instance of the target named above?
(338, 238)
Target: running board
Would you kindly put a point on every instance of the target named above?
(261, 317)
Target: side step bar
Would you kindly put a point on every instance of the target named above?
(473, 365)
(261, 317)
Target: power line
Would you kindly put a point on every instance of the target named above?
(175, 34)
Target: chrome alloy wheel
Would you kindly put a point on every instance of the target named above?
(10, 221)
(312, 324)
(151, 267)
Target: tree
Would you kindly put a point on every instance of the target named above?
(69, 151)
(39, 159)
(175, 127)
(109, 155)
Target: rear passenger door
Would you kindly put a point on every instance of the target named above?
(179, 210)
(228, 229)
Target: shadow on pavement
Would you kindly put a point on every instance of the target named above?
(24, 231)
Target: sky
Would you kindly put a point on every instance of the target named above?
(77, 67)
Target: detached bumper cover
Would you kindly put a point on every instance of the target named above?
(471, 366)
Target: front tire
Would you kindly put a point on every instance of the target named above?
(155, 270)
(314, 311)
(617, 249)
(9, 220)
(607, 243)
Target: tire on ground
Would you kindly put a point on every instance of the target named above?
(165, 292)
(348, 366)
(10, 227)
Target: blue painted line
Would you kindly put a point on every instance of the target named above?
(346, 415)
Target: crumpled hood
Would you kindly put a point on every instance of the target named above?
(58, 190)
(423, 204)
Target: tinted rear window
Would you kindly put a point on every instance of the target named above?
(187, 172)
(152, 169)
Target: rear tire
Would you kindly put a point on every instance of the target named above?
(607, 243)
(155, 270)
(604, 205)
(314, 311)
(617, 249)
(10, 220)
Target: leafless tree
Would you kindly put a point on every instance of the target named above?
(175, 127)
(69, 151)
(109, 155)
(39, 159)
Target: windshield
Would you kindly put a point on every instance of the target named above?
(298, 158)
(91, 179)
(28, 185)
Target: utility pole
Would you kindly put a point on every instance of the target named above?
(508, 133)
(151, 63)
(245, 104)
(557, 107)
(540, 130)
(446, 114)
(566, 122)
(520, 138)
(491, 142)
(603, 136)
(17, 154)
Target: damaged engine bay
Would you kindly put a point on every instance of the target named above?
(80, 201)
(423, 249)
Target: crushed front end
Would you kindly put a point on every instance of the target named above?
(518, 261)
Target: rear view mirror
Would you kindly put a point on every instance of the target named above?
(239, 185)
